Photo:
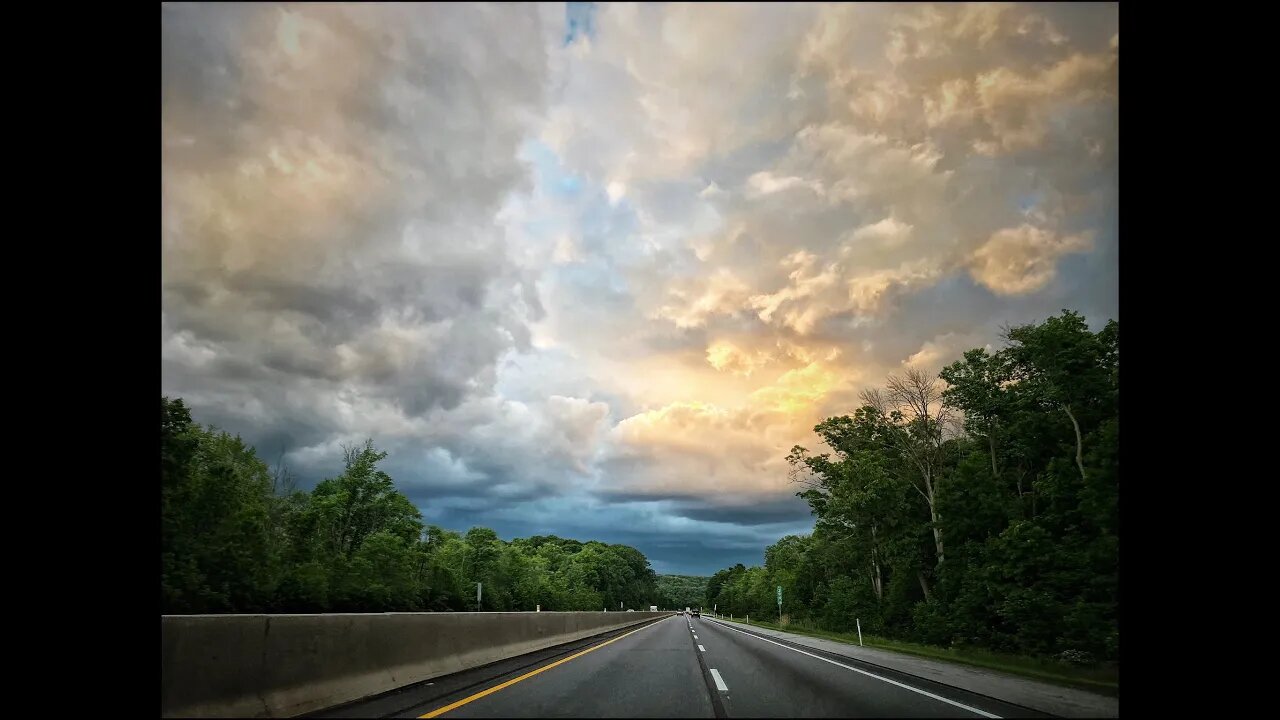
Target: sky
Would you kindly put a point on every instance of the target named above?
(592, 271)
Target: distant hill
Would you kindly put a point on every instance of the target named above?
(679, 591)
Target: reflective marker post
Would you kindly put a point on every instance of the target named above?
(859, 621)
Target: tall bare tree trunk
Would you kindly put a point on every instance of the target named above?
(910, 399)
(1079, 442)
(991, 440)
(937, 535)
(924, 585)
(877, 582)
(933, 514)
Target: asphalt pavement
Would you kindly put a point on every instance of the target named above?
(682, 667)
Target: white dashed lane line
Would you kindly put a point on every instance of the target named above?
(715, 675)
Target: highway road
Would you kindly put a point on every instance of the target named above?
(681, 667)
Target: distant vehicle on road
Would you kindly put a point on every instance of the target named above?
(697, 613)
(653, 608)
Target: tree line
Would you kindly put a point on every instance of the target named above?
(681, 591)
(976, 507)
(237, 536)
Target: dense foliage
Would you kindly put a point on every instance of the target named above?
(979, 507)
(236, 538)
(681, 591)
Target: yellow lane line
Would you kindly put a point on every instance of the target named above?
(509, 683)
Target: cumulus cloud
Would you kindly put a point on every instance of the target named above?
(888, 232)
(765, 183)
(621, 260)
(721, 292)
(331, 264)
(724, 355)
(945, 349)
(1022, 259)
(720, 456)
(883, 153)
(873, 173)
(693, 450)
(312, 229)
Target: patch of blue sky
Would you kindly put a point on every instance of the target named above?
(595, 279)
(608, 229)
(1029, 201)
(579, 21)
(605, 233)
(549, 172)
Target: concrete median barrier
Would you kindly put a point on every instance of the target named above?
(286, 665)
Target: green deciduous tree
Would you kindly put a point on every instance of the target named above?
(238, 537)
(1026, 499)
(217, 552)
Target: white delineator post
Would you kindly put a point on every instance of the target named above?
(859, 621)
(539, 609)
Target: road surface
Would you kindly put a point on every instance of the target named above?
(681, 667)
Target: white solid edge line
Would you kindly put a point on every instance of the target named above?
(715, 675)
(983, 713)
(702, 648)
